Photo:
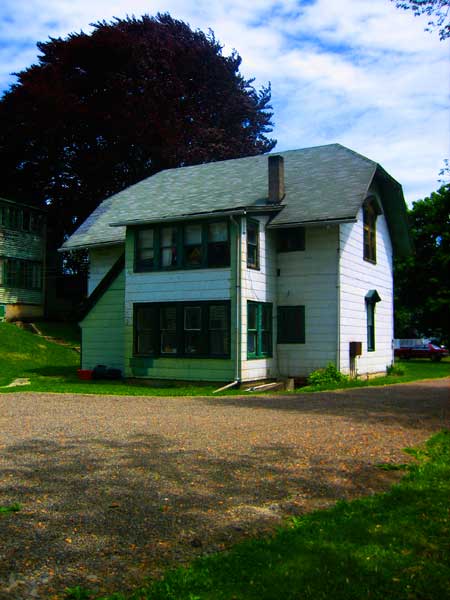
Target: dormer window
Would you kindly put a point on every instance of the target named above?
(370, 213)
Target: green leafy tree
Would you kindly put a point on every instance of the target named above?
(104, 110)
(422, 281)
(437, 10)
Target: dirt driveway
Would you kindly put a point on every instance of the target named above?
(114, 489)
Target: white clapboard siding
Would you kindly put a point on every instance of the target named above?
(357, 277)
(100, 262)
(258, 285)
(103, 329)
(176, 286)
(309, 278)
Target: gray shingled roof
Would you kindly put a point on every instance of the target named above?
(322, 184)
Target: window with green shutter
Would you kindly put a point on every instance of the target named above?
(259, 329)
(291, 325)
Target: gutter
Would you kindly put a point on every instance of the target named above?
(237, 376)
(196, 216)
(313, 223)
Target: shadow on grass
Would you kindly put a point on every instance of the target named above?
(67, 374)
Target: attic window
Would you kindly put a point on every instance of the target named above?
(370, 213)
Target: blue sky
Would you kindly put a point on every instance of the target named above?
(358, 72)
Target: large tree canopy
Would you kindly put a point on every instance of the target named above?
(436, 10)
(422, 281)
(101, 111)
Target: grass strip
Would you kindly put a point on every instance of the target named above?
(391, 545)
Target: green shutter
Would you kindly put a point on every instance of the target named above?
(291, 325)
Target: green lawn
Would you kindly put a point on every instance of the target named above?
(68, 332)
(388, 546)
(53, 368)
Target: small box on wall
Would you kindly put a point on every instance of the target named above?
(355, 349)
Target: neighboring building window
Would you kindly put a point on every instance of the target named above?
(182, 329)
(370, 214)
(21, 219)
(291, 239)
(291, 325)
(259, 329)
(371, 299)
(252, 244)
(20, 273)
(193, 245)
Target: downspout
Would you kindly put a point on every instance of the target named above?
(338, 307)
(237, 372)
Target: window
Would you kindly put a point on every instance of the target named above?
(218, 245)
(218, 330)
(259, 329)
(371, 299)
(19, 273)
(145, 328)
(169, 247)
(21, 219)
(168, 329)
(370, 214)
(291, 240)
(182, 329)
(193, 330)
(252, 244)
(291, 325)
(193, 245)
(193, 249)
(145, 249)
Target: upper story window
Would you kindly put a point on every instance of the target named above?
(252, 244)
(370, 213)
(291, 239)
(183, 246)
(20, 219)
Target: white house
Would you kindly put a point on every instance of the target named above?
(246, 269)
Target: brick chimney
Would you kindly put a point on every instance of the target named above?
(276, 179)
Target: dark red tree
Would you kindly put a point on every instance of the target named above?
(101, 111)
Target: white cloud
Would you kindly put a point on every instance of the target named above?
(359, 72)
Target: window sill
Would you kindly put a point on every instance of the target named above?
(183, 356)
(370, 260)
(174, 269)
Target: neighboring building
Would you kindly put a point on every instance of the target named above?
(246, 269)
(22, 260)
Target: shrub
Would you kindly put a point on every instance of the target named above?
(326, 376)
(394, 370)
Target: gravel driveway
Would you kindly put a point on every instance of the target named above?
(114, 489)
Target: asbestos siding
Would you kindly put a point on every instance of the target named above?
(100, 262)
(259, 286)
(357, 277)
(28, 246)
(103, 331)
(177, 286)
(309, 278)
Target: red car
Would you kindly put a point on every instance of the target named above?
(426, 350)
